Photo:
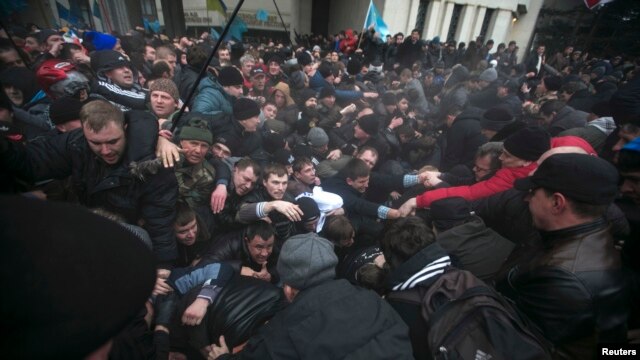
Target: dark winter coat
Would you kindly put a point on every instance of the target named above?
(463, 140)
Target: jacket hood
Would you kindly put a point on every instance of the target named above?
(282, 86)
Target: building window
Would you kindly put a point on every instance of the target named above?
(455, 18)
(485, 23)
(149, 8)
(422, 14)
(80, 14)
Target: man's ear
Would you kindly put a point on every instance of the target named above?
(559, 203)
(349, 182)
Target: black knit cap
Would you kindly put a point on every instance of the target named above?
(305, 95)
(272, 142)
(389, 98)
(325, 69)
(495, 119)
(283, 157)
(73, 281)
(105, 60)
(528, 143)
(230, 76)
(245, 108)
(309, 207)
(304, 58)
(65, 109)
(369, 124)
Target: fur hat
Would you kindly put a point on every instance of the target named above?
(165, 85)
(230, 76)
(245, 108)
(307, 260)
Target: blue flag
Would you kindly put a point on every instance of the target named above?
(237, 28)
(374, 18)
(262, 15)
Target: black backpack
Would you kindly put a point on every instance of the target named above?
(466, 319)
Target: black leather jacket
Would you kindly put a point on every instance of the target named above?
(574, 289)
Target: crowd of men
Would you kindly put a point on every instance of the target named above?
(308, 191)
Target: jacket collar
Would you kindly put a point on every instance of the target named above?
(422, 267)
(550, 237)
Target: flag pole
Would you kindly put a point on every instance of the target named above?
(283, 25)
(206, 65)
(364, 26)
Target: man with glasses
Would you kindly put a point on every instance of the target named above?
(521, 150)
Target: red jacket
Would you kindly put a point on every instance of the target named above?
(349, 43)
(501, 181)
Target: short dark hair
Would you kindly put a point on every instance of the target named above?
(274, 169)
(299, 163)
(259, 228)
(337, 228)
(197, 56)
(355, 169)
(245, 163)
(159, 68)
(552, 106)
(398, 34)
(404, 238)
(98, 114)
(370, 276)
(582, 209)
(184, 214)
(65, 52)
(416, 30)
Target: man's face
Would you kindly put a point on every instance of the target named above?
(220, 151)
(276, 186)
(10, 58)
(512, 47)
(162, 104)
(224, 56)
(415, 36)
(270, 111)
(14, 94)
(274, 68)
(502, 92)
(403, 105)
(246, 68)
(335, 57)
(568, 50)
(510, 161)
(244, 180)
(31, 43)
(369, 158)
(540, 206)
(188, 233)
(328, 101)
(360, 134)
(52, 41)
(540, 50)
(149, 53)
(258, 82)
(279, 98)
(306, 175)
(624, 137)
(360, 184)
(564, 96)
(482, 167)
(108, 143)
(311, 103)
(194, 150)
(122, 76)
(399, 40)
(234, 90)
(631, 185)
(251, 124)
(171, 60)
(260, 249)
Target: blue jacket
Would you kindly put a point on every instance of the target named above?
(211, 99)
(316, 82)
